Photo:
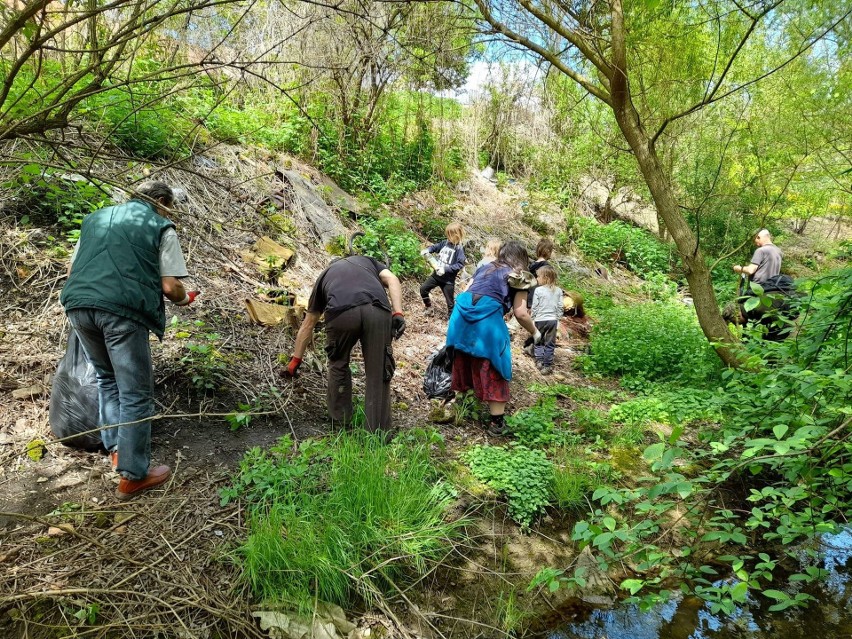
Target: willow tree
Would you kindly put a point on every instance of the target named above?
(656, 65)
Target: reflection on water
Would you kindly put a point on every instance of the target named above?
(830, 617)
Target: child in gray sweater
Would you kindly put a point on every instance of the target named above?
(546, 311)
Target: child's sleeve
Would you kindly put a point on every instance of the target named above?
(558, 302)
(538, 299)
(436, 247)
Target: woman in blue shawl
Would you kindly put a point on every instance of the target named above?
(478, 332)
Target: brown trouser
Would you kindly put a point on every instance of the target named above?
(371, 326)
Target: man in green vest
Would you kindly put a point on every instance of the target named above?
(127, 259)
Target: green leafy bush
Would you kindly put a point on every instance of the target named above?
(389, 238)
(202, 361)
(593, 423)
(49, 197)
(619, 242)
(141, 122)
(535, 426)
(640, 412)
(649, 342)
(355, 515)
(524, 476)
(779, 440)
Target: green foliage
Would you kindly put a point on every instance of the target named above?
(615, 242)
(640, 411)
(576, 478)
(652, 341)
(659, 287)
(432, 224)
(141, 121)
(510, 616)
(466, 408)
(593, 423)
(779, 431)
(357, 515)
(202, 361)
(262, 119)
(389, 238)
(535, 426)
(394, 160)
(523, 475)
(241, 417)
(50, 197)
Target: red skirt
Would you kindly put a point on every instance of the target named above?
(478, 374)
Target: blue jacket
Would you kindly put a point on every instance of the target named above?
(479, 330)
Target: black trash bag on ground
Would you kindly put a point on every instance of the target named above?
(74, 398)
(439, 374)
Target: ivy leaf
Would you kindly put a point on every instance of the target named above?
(780, 430)
(777, 595)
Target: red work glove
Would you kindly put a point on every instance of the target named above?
(292, 369)
(189, 299)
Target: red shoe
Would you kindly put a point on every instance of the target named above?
(113, 459)
(128, 488)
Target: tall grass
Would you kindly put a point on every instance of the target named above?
(352, 516)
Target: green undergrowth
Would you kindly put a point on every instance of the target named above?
(341, 519)
(650, 342)
(742, 471)
(620, 243)
(551, 464)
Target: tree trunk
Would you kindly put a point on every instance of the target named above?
(697, 273)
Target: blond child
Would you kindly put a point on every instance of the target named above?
(546, 311)
(450, 261)
(489, 254)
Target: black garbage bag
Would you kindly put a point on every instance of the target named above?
(439, 374)
(74, 398)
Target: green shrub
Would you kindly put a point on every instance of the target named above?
(522, 475)
(145, 125)
(48, 197)
(652, 341)
(639, 412)
(202, 362)
(641, 251)
(685, 405)
(593, 423)
(340, 518)
(535, 426)
(781, 446)
(389, 238)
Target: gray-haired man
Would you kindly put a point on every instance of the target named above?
(127, 259)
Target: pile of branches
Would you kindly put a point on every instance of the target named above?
(156, 566)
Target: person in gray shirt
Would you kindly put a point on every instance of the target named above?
(766, 261)
(546, 311)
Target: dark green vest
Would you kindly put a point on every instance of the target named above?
(117, 266)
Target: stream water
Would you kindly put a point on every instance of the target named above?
(829, 617)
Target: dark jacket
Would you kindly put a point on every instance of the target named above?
(117, 267)
(451, 256)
